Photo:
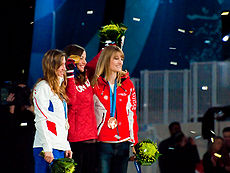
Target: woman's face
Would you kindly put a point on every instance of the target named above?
(116, 62)
(217, 145)
(61, 70)
(82, 63)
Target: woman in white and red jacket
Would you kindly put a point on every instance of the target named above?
(115, 109)
(49, 99)
(83, 129)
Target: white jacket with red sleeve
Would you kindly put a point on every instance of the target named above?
(49, 119)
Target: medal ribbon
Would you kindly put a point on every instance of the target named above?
(64, 104)
(138, 167)
(113, 96)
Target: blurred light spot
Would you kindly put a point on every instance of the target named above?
(212, 132)
(90, 12)
(181, 30)
(173, 63)
(212, 140)
(31, 23)
(171, 148)
(23, 124)
(172, 48)
(191, 32)
(193, 132)
(136, 19)
(217, 155)
(198, 137)
(204, 88)
(225, 38)
(82, 23)
(225, 13)
(207, 41)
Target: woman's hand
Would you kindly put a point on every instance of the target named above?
(48, 156)
(133, 150)
(132, 158)
(10, 97)
(68, 154)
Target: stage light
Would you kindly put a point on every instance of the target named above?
(207, 41)
(90, 12)
(181, 30)
(198, 137)
(204, 88)
(225, 13)
(217, 155)
(136, 19)
(193, 132)
(225, 38)
(173, 63)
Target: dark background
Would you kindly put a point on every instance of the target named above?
(17, 34)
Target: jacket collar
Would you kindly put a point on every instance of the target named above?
(101, 80)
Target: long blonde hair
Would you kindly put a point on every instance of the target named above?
(103, 64)
(51, 61)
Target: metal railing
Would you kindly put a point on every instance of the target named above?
(182, 95)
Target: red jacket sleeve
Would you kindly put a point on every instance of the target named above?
(71, 90)
(133, 109)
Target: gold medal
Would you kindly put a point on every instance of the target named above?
(112, 123)
(76, 58)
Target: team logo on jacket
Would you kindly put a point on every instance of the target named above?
(122, 94)
(81, 88)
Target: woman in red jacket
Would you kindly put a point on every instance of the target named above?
(83, 130)
(115, 109)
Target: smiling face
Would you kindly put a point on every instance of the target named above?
(82, 63)
(116, 62)
(61, 70)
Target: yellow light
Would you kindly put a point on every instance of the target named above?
(212, 140)
(225, 13)
(217, 155)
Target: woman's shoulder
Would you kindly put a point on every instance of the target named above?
(42, 85)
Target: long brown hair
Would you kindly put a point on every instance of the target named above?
(51, 61)
(74, 49)
(103, 64)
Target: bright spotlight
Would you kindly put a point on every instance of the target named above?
(225, 38)
(225, 13)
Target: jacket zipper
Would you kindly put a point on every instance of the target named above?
(117, 126)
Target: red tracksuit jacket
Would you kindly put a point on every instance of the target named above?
(125, 112)
(81, 114)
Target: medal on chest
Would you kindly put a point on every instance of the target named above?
(112, 122)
